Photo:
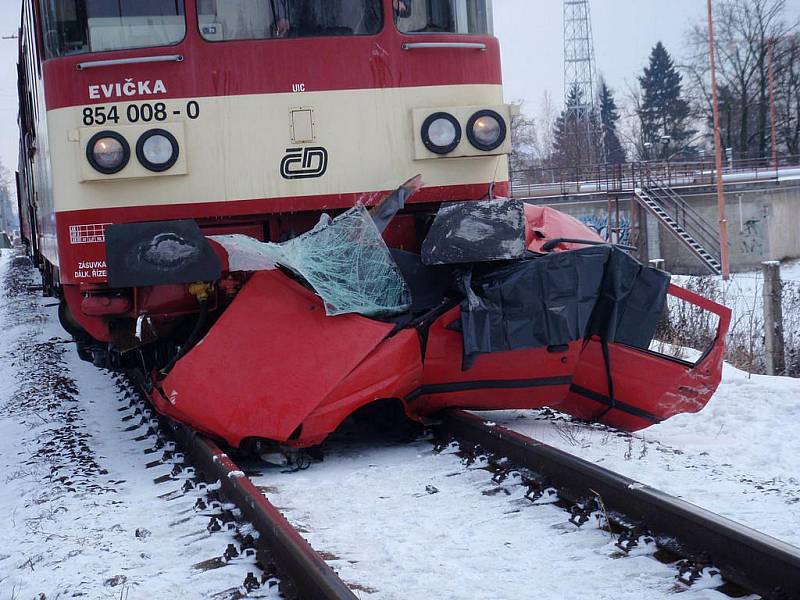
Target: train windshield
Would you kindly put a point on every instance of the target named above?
(81, 26)
(222, 20)
(444, 16)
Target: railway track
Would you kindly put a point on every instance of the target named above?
(744, 557)
(303, 573)
(699, 542)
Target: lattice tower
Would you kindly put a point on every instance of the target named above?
(580, 72)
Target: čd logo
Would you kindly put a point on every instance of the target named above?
(304, 163)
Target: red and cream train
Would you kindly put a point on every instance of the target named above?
(253, 117)
(267, 131)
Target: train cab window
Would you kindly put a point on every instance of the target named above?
(444, 16)
(222, 20)
(82, 26)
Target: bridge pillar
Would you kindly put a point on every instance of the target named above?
(653, 237)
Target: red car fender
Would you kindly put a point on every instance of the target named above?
(271, 360)
(392, 371)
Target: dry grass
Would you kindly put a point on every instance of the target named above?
(687, 326)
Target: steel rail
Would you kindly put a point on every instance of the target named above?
(311, 577)
(755, 561)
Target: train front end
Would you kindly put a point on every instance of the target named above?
(251, 118)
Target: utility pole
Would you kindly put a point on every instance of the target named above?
(723, 221)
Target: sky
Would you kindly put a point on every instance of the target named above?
(531, 35)
(9, 23)
(530, 32)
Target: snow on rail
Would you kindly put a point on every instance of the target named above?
(399, 520)
(83, 515)
(739, 457)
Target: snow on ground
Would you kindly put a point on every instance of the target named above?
(400, 521)
(82, 514)
(742, 292)
(403, 521)
(739, 457)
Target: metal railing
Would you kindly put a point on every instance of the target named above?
(626, 177)
(685, 216)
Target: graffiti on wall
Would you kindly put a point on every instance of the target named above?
(600, 225)
(752, 239)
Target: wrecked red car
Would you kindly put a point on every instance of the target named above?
(507, 306)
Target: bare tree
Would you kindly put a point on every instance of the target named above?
(631, 124)
(744, 31)
(787, 92)
(547, 121)
(534, 136)
(525, 141)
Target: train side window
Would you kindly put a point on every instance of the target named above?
(82, 26)
(25, 121)
(444, 16)
(222, 20)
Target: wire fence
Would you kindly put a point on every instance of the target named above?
(691, 327)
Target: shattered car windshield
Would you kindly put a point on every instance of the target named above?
(344, 259)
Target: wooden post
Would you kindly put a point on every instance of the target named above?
(773, 319)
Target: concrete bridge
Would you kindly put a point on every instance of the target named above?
(669, 211)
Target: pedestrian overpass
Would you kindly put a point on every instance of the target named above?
(656, 187)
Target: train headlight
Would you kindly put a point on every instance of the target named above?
(108, 152)
(157, 150)
(441, 133)
(486, 130)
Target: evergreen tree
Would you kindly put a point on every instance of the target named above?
(609, 115)
(572, 130)
(664, 112)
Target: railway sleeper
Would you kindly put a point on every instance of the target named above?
(632, 535)
(227, 517)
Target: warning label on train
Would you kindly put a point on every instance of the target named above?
(91, 269)
(88, 234)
